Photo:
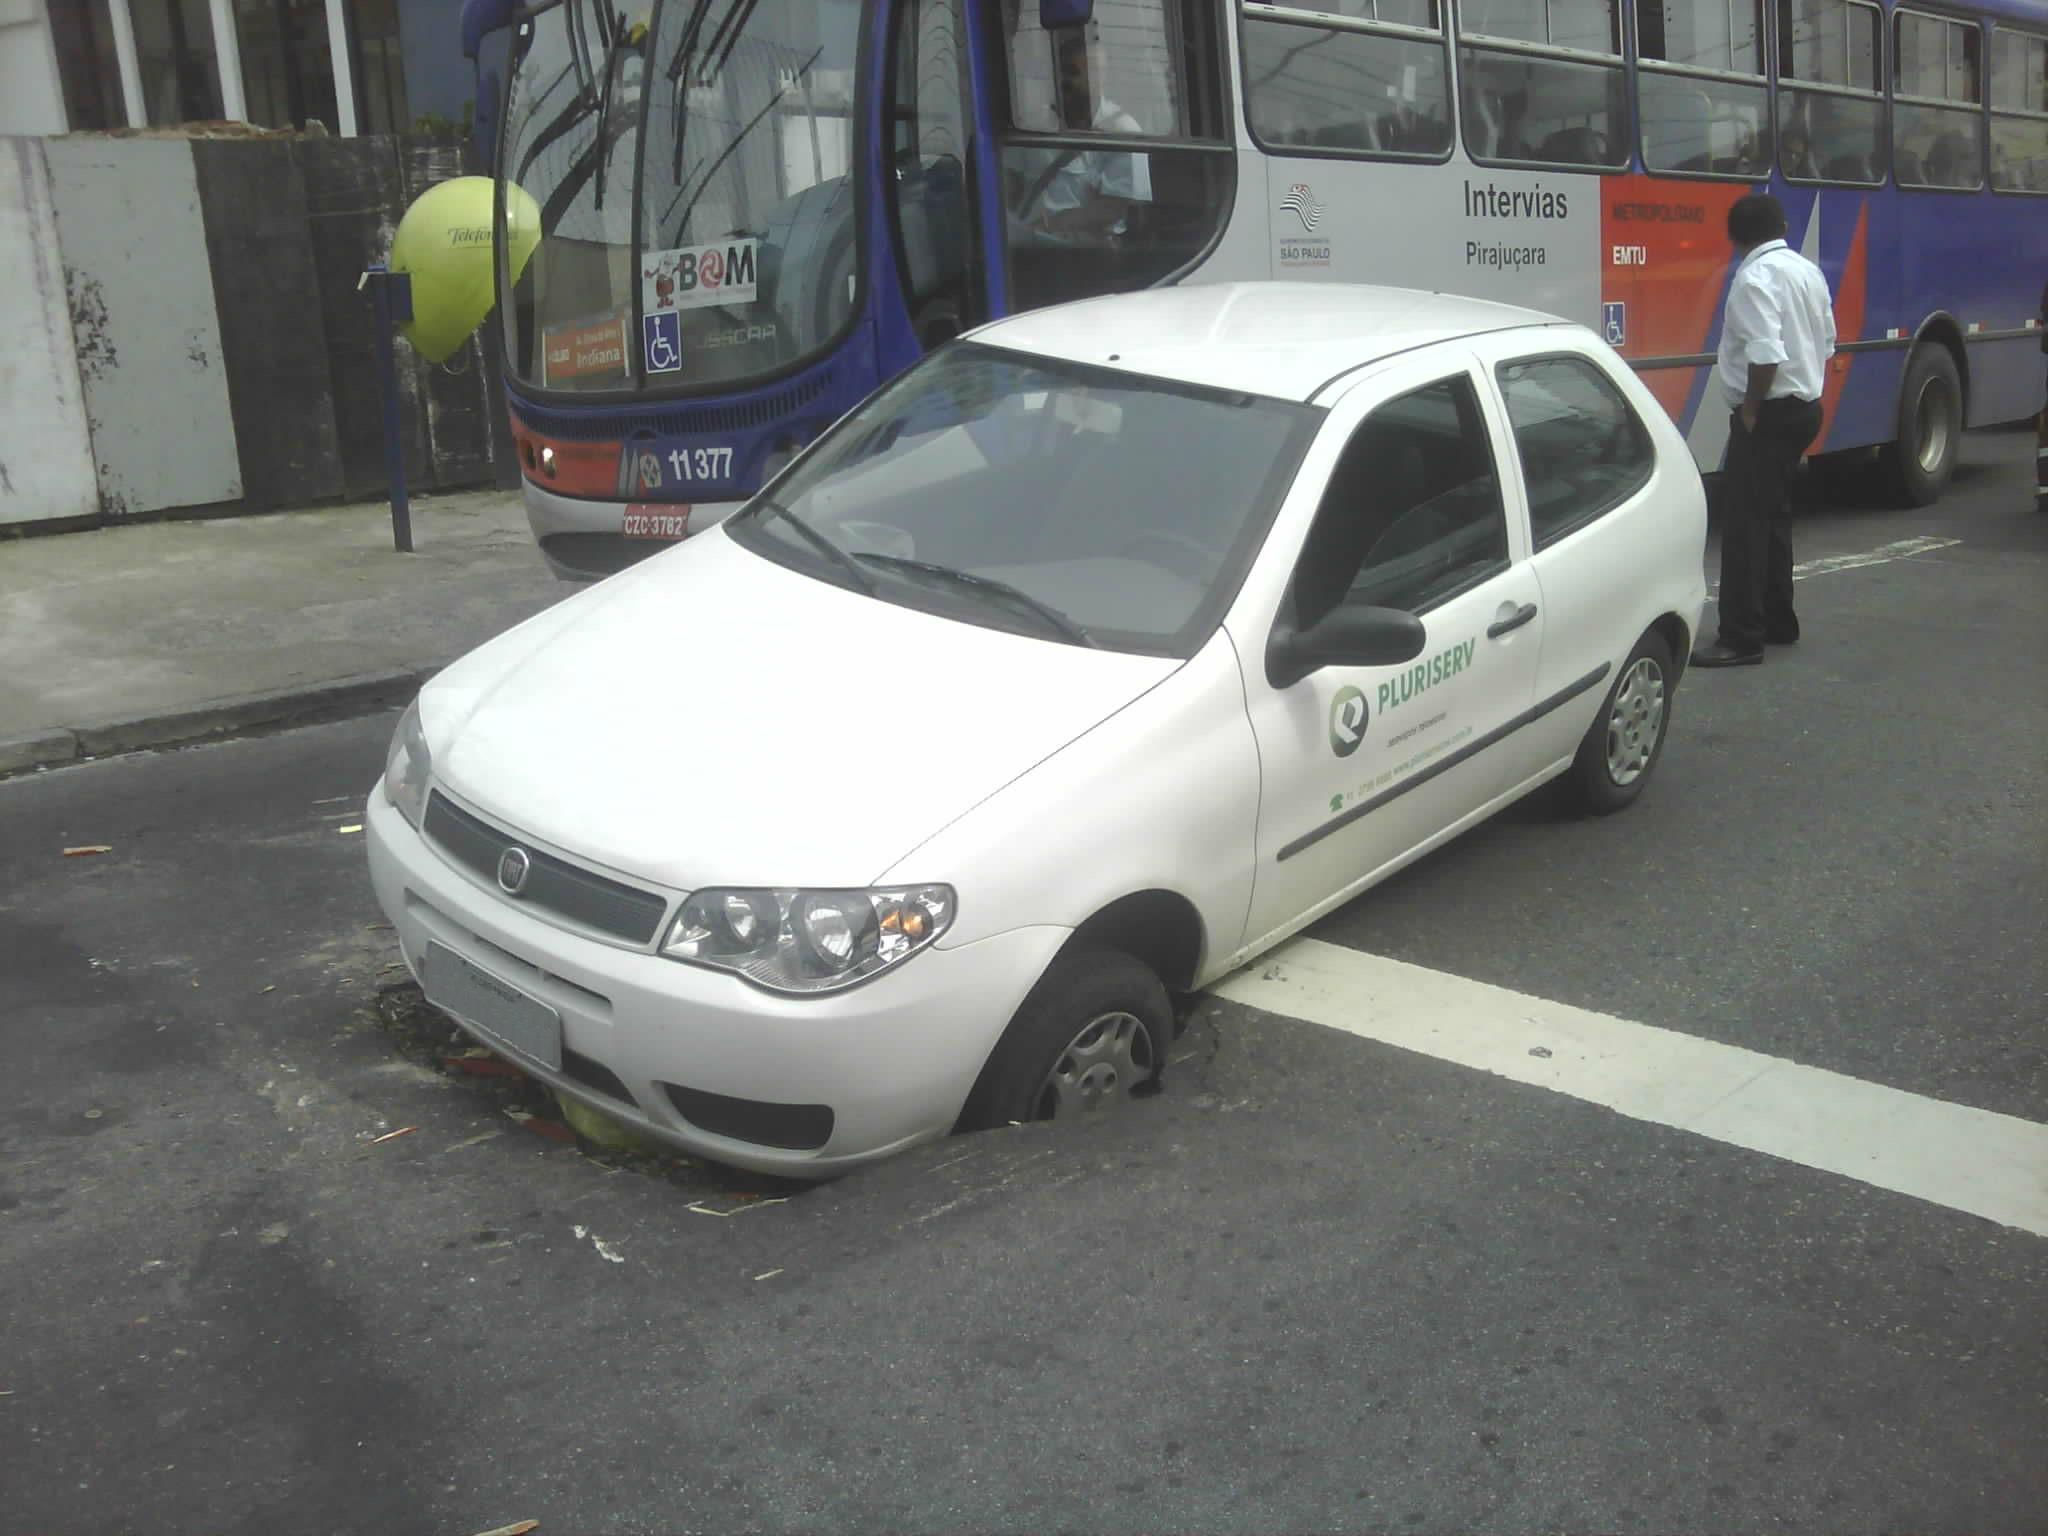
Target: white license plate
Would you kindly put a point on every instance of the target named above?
(497, 1008)
(644, 521)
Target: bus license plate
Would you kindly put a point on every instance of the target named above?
(670, 520)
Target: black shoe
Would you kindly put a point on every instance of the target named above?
(1782, 634)
(1722, 654)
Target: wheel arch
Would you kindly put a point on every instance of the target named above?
(1158, 926)
(1940, 329)
(1672, 630)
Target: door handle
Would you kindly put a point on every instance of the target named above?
(1513, 621)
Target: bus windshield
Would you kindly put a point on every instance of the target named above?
(729, 131)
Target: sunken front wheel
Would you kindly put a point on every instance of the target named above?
(1093, 1031)
(1626, 738)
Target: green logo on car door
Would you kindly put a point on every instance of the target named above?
(1347, 721)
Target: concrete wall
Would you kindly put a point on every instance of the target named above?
(46, 466)
(142, 312)
(30, 101)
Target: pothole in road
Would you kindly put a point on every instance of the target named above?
(428, 1038)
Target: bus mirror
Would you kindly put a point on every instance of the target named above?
(1053, 14)
(482, 17)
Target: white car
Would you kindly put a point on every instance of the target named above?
(1102, 650)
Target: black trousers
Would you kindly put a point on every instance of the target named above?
(1756, 520)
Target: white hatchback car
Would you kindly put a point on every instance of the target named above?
(1102, 650)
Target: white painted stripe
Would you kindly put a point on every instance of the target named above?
(1990, 1165)
(1900, 550)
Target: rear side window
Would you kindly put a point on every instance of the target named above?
(1584, 451)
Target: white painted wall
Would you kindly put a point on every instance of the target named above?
(31, 97)
(46, 465)
(140, 290)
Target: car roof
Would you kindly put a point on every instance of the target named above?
(1285, 340)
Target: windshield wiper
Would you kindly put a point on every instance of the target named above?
(989, 585)
(821, 544)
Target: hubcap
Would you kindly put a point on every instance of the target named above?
(1635, 722)
(1932, 423)
(1100, 1066)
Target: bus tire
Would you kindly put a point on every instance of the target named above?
(1918, 463)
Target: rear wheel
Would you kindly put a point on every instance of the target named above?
(1093, 1032)
(1626, 738)
(1918, 464)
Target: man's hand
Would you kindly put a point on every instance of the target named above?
(1749, 415)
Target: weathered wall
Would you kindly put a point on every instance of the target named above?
(46, 467)
(201, 317)
(29, 100)
(142, 313)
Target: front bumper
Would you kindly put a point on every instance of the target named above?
(581, 538)
(893, 1059)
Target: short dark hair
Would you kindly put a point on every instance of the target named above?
(1756, 218)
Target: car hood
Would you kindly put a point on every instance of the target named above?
(712, 718)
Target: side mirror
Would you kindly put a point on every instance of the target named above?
(1053, 14)
(1344, 637)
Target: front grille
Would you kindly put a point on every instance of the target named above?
(590, 900)
(677, 420)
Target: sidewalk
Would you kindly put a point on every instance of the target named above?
(166, 632)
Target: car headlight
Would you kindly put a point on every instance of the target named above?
(407, 765)
(808, 941)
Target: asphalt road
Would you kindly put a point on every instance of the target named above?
(1318, 1283)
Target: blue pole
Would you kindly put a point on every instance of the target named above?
(391, 296)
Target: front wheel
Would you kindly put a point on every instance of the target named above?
(1918, 464)
(1093, 1032)
(1626, 738)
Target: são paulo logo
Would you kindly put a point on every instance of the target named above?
(1347, 721)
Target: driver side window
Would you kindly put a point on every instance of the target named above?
(1412, 513)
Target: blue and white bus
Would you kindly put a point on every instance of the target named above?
(753, 213)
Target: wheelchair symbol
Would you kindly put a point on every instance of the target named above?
(1614, 323)
(663, 336)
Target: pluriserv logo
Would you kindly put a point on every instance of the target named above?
(1347, 721)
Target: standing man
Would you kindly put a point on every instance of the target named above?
(1776, 339)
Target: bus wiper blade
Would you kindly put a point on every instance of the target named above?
(821, 544)
(988, 584)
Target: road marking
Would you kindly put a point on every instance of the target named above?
(1990, 1165)
(1899, 549)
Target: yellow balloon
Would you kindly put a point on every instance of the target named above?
(444, 241)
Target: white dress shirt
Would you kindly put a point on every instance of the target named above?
(1778, 312)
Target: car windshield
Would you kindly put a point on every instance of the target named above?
(1082, 504)
(730, 125)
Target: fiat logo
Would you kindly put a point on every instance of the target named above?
(514, 865)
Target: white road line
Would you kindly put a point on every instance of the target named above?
(1900, 549)
(1989, 1165)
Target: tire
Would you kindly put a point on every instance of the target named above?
(1917, 465)
(1623, 744)
(1047, 1066)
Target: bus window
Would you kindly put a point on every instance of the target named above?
(1541, 82)
(747, 233)
(568, 313)
(1108, 184)
(1700, 88)
(1368, 84)
(927, 181)
(2019, 112)
(1831, 91)
(1937, 89)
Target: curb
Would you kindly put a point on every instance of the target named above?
(216, 719)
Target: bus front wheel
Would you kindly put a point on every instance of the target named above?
(1917, 464)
